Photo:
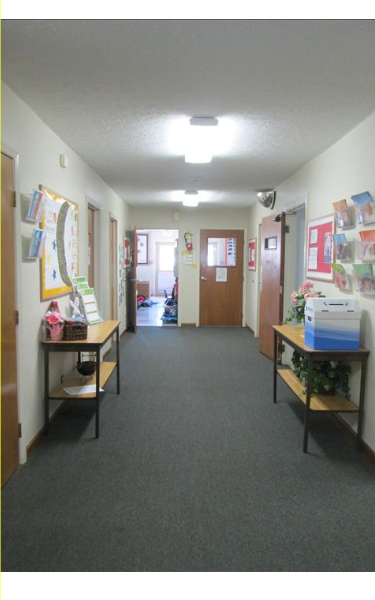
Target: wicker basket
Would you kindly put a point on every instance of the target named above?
(75, 330)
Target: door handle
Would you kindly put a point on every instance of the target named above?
(203, 278)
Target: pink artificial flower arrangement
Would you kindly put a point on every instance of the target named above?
(298, 298)
(55, 324)
(53, 318)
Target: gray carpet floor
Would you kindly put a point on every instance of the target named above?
(195, 470)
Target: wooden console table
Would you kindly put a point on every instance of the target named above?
(97, 336)
(294, 336)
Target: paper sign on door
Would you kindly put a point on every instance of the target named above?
(221, 274)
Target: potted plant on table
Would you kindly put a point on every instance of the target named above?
(326, 378)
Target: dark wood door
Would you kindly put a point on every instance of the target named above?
(9, 408)
(131, 282)
(272, 278)
(220, 300)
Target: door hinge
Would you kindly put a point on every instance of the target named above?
(14, 199)
(287, 229)
(281, 289)
(19, 430)
(17, 317)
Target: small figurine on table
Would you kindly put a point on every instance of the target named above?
(77, 315)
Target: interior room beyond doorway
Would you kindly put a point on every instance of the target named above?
(157, 277)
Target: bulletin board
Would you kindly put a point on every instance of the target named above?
(59, 262)
(320, 248)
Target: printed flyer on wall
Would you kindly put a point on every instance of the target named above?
(342, 214)
(36, 207)
(367, 245)
(37, 243)
(365, 208)
(365, 278)
(342, 246)
(340, 277)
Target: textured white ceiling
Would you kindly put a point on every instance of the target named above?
(121, 92)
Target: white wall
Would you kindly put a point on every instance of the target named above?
(191, 220)
(344, 169)
(148, 272)
(38, 149)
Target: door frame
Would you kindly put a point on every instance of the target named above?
(258, 286)
(92, 209)
(296, 204)
(113, 301)
(14, 155)
(99, 266)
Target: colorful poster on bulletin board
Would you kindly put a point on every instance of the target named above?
(320, 248)
(59, 262)
(252, 255)
(127, 255)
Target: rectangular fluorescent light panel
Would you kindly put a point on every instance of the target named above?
(201, 139)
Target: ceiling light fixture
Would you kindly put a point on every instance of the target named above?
(191, 199)
(201, 139)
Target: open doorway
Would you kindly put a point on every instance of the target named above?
(157, 277)
(294, 274)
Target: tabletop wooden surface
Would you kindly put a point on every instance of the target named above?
(296, 334)
(96, 334)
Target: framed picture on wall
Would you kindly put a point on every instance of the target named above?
(252, 255)
(142, 247)
(320, 248)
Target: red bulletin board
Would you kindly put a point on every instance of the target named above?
(320, 248)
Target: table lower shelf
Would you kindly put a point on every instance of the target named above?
(74, 379)
(318, 402)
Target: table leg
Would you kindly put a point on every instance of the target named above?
(361, 401)
(97, 397)
(274, 366)
(307, 406)
(118, 358)
(46, 390)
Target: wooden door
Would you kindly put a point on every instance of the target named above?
(90, 245)
(131, 283)
(113, 268)
(221, 277)
(272, 280)
(9, 408)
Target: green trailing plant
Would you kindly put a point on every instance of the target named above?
(326, 378)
